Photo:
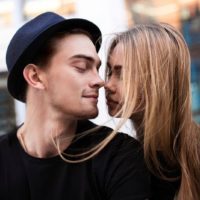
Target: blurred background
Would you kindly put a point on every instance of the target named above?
(111, 16)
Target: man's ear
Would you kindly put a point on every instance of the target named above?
(32, 75)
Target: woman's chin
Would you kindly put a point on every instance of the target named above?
(113, 113)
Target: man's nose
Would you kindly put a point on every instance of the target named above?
(97, 82)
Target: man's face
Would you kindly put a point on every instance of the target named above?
(71, 78)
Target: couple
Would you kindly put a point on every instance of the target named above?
(58, 154)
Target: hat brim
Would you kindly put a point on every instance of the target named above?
(16, 82)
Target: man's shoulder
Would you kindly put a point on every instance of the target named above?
(85, 125)
(123, 144)
(121, 162)
(120, 144)
(7, 139)
(4, 139)
(111, 146)
(99, 133)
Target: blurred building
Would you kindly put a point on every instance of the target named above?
(7, 113)
(110, 16)
(184, 15)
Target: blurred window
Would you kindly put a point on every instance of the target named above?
(7, 112)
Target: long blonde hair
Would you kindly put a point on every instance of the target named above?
(156, 84)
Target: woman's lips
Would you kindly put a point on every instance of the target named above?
(111, 102)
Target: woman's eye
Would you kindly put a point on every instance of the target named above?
(118, 73)
(114, 72)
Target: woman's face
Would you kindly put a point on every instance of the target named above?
(113, 85)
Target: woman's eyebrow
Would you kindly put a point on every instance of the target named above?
(117, 67)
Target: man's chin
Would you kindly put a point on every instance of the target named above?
(89, 115)
(92, 116)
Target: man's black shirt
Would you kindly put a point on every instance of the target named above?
(118, 172)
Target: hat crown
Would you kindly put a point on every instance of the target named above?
(27, 33)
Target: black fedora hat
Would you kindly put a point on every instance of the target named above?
(28, 40)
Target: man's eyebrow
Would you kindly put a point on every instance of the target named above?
(88, 58)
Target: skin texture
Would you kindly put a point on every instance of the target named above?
(114, 84)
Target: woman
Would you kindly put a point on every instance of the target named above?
(148, 81)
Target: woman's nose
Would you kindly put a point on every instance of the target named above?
(110, 86)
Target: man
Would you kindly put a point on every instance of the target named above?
(53, 67)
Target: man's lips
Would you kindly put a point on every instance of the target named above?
(93, 97)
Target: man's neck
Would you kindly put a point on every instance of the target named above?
(39, 136)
